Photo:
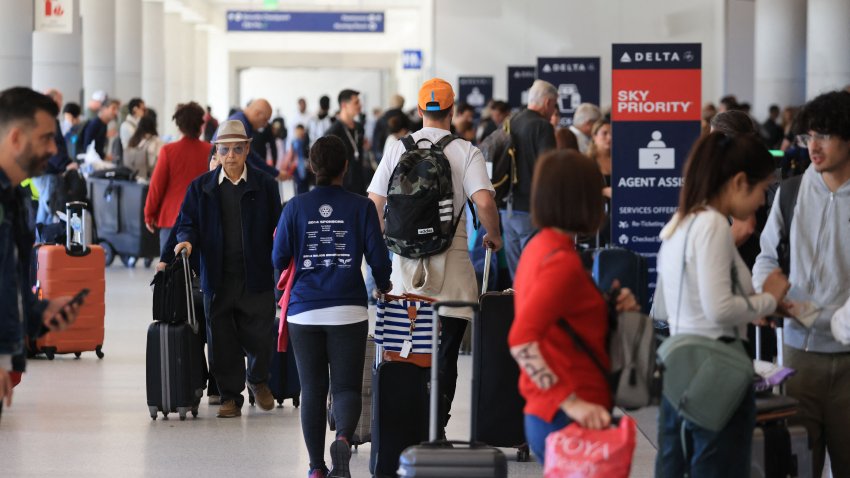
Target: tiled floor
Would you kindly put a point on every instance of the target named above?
(89, 417)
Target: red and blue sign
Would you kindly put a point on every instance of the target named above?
(655, 114)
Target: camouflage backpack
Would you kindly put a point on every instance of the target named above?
(419, 218)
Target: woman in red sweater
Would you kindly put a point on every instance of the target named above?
(560, 383)
(178, 164)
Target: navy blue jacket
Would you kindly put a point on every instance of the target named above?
(254, 159)
(199, 223)
(16, 241)
(328, 231)
(59, 161)
(95, 130)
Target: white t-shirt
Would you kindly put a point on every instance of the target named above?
(339, 315)
(469, 173)
(709, 306)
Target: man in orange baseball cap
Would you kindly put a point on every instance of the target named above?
(436, 95)
(447, 274)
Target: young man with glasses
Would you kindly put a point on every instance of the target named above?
(819, 246)
(228, 217)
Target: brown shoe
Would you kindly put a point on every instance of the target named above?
(229, 409)
(262, 395)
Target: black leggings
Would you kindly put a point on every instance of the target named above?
(343, 348)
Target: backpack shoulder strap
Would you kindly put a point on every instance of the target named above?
(408, 143)
(445, 140)
(788, 192)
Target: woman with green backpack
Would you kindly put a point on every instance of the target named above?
(707, 414)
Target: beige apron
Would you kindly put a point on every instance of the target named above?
(446, 276)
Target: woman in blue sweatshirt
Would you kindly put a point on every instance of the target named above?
(326, 232)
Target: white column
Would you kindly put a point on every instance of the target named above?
(128, 49)
(57, 60)
(200, 66)
(173, 71)
(828, 41)
(16, 44)
(153, 60)
(98, 47)
(187, 62)
(780, 54)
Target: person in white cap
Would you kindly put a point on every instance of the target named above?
(228, 217)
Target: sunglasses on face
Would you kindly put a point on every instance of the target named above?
(224, 149)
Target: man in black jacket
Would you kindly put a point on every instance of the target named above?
(351, 133)
(532, 135)
(27, 129)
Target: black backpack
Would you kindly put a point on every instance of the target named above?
(419, 217)
(499, 150)
(72, 187)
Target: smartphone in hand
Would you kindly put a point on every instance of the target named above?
(76, 300)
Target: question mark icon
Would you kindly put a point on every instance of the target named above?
(656, 156)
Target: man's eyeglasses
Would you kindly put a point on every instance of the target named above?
(803, 140)
(224, 149)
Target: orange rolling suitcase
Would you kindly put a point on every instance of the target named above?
(60, 274)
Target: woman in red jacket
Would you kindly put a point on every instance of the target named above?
(560, 383)
(177, 165)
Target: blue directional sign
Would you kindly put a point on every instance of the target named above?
(411, 59)
(275, 21)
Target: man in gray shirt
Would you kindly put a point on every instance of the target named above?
(819, 272)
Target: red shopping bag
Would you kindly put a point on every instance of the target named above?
(576, 452)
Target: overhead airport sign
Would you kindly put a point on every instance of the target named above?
(655, 113)
(411, 59)
(475, 90)
(520, 79)
(54, 16)
(577, 81)
(318, 22)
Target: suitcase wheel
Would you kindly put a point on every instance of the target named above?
(78, 354)
(251, 399)
(50, 352)
(108, 253)
(148, 262)
(128, 261)
(195, 412)
(296, 402)
(99, 351)
(154, 411)
(523, 454)
(182, 411)
(280, 404)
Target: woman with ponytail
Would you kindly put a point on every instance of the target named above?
(706, 289)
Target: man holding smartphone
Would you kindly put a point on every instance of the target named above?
(27, 128)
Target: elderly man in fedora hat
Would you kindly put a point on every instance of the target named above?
(228, 218)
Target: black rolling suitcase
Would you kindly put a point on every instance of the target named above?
(119, 212)
(778, 449)
(175, 360)
(629, 267)
(283, 374)
(399, 413)
(435, 459)
(495, 373)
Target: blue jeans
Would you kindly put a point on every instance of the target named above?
(45, 184)
(723, 454)
(537, 429)
(517, 230)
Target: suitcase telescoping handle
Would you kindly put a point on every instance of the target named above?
(488, 256)
(435, 365)
(187, 281)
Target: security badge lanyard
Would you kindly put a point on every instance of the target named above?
(407, 346)
(353, 141)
